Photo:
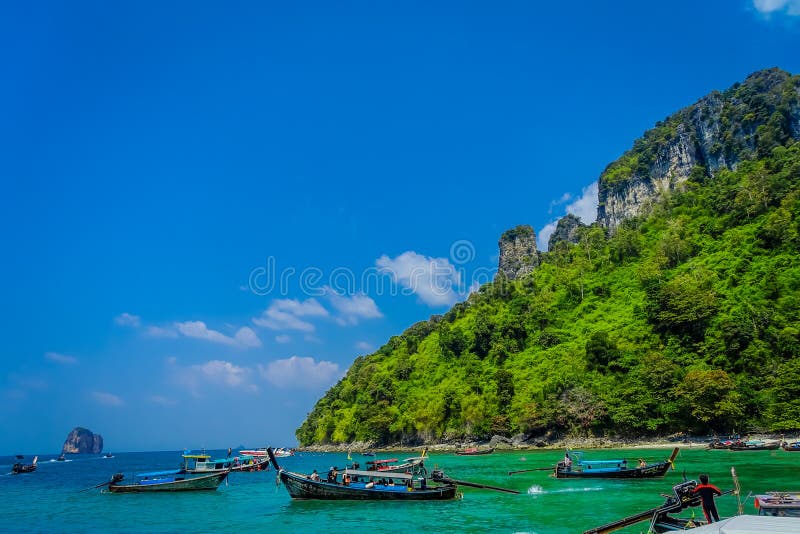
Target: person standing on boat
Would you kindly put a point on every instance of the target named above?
(567, 461)
(707, 493)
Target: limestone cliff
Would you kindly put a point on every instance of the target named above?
(717, 132)
(518, 254)
(566, 230)
(82, 440)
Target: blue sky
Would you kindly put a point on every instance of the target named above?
(209, 210)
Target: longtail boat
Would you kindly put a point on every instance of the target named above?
(580, 468)
(202, 463)
(474, 451)
(785, 504)
(682, 497)
(247, 463)
(280, 452)
(167, 481)
(413, 466)
(717, 444)
(756, 445)
(791, 447)
(356, 484)
(20, 469)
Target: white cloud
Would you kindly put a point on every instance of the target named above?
(106, 399)
(352, 309)
(244, 337)
(222, 372)
(218, 373)
(365, 346)
(434, 280)
(127, 319)
(301, 372)
(543, 235)
(157, 331)
(791, 7)
(283, 338)
(566, 197)
(60, 358)
(585, 208)
(284, 314)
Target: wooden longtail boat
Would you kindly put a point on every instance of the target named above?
(280, 452)
(414, 466)
(20, 469)
(202, 464)
(581, 468)
(474, 451)
(791, 447)
(167, 481)
(717, 444)
(247, 464)
(755, 445)
(363, 485)
(682, 497)
(785, 504)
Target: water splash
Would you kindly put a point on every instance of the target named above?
(538, 490)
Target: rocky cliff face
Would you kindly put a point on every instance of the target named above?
(717, 132)
(518, 254)
(82, 440)
(566, 230)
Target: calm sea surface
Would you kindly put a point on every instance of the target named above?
(50, 499)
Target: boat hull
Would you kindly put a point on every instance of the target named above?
(475, 453)
(651, 471)
(300, 487)
(769, 447)
(203, 483)
(19, 469)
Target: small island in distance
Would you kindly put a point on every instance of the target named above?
(82, 441)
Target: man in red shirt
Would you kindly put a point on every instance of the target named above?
(707, 492)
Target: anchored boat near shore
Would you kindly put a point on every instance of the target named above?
(166, 481)
(362, 485)
(578, 467)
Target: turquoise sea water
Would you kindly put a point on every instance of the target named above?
(49, 500)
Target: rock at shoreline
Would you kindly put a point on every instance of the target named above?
(82, 441)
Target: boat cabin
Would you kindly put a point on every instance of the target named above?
(782, 504)
(597, 466)
(202, 463)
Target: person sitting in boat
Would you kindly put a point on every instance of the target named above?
(391, 482)
(567, 461)
(624, 463)
(346, 479)
(314, 475)
(642, 463)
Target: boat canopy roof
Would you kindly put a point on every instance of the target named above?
(578, 456)
(382, 461)
(159, 473)
(382, 474)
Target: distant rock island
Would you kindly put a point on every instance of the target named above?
(82, 440)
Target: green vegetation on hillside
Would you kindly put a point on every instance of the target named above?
(686, 319)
